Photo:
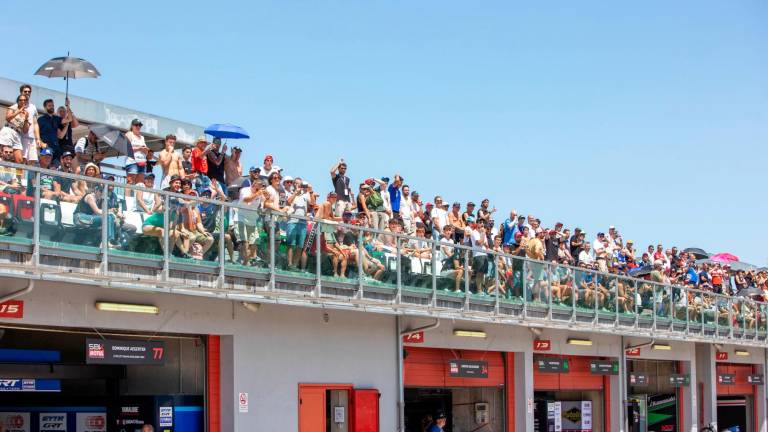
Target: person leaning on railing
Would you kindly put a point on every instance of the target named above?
(88, 214)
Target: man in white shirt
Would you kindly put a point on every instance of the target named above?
(269, 167)
(480, 259)
(249, 220)
(406, 210)
(585, 257)
(602, 252)
(439, 215)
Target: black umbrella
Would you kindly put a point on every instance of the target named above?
(698, 253)
(749, 292)
(114, 138)
(641, 271)
(68, 67)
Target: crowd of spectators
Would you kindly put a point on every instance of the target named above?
(391, 206)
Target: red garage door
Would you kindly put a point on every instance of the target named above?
(428, 367)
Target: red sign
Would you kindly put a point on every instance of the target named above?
(633, 352)
(417, 337)
(542, 345)
(12, 309)
(721, 355)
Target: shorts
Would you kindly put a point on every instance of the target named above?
(199, 237)
(135, 169)
(28, 148)
(248, 233)
(155, 220)
(296, 234)
(480, 264)
(10, 137)
(327, 240)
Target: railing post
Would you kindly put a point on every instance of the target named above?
(496, 257)
(717, 315)
(399, 269)
(574, 296)
(433, 243)
(616, 298)
(655, 307)
(223, 209)
(318, 227)
(36, 224)
(524, 278)
(272, 220)
(596, 299)
(730, 316)
(360, 269)
(548, 269)
(635, 295)
(166, 234)
(466, 279)
(687, 309)
(104, 225)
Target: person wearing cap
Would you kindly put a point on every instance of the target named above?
(88, 214)
(457, 222)
(233, 168)
(602, 251)
(341, 185)
(200, 156)
(216, 155)
(67, 189)
(45, 157)
(300, 202)
(269, 167)
(254, 175)
(136, 167)
(374, 206)
(249, 221)
(484, 213)
(469, 212)
(147, 201)
(169, 160)
(439, 423)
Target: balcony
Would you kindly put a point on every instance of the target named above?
(45, 239)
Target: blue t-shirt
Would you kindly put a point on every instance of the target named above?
(435, 428)
(394, 197)
(692, 277)
(508, 237)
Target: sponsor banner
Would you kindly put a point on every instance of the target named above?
(755, 379)
(603, 367)
(569, 416)
(53, 422)
(552, 365)
(166, 416)
(124, 352)
(468, 368)
(726, 379)
(12, 309)
(638, 379)
(29, 385)
(91, 422)
(662, 413)
(15, 421)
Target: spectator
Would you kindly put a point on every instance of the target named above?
(585, 257)
(273, 194)
(382, 187)
(479, 258)
(374, 205)
(249, 221)
(406, 210)
(10, 178)
(136, 167)
(216, 155)
(88, 214)
(341, 186)
(170, 161)
(254, 175)
(46, 180)
(187, 163)
(469, 213)
(51, 129)
(200, 156)
(22, 131)
(300, 201)
(419, 247)
(65, 188)
(508, 229)
(455, 220)
(192, 229)
(88, 149)
(147, 201)
(438, 215)
(395, 195)
(233, 169)
(269, 168)
(328, 243)
(484, 213)
(600, 246)
(68, 122)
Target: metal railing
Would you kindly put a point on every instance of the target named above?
(382, 269)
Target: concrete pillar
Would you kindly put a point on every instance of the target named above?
(689, 398)
(229, 406)
(760, 402)
(706, 380)
(524, 389)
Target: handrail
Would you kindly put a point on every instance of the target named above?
(666, 298)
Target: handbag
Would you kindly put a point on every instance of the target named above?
(84, 220)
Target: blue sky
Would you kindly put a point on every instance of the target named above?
(650, 116)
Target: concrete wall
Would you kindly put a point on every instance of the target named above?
(265, 353)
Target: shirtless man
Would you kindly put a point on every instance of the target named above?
(327, 235)
(233, 169)
(170, 161)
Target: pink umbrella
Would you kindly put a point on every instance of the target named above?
(724, 257)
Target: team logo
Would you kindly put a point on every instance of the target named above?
(573, 414)
(95, 350)
(95, 422)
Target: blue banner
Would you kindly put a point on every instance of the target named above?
(29, 385)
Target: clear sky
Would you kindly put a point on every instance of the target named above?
(651, 116)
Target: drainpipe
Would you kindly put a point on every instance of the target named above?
(21, 292)
(642, 345)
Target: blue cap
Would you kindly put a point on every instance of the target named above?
(254, 169)
(385, 179)
(46, 152)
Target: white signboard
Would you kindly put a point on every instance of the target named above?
(91, 422)
(15, 421)
(166, 416)
(338, 414)
(243, 402)
(53, 422)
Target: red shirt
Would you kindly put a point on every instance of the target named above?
(199, 161)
